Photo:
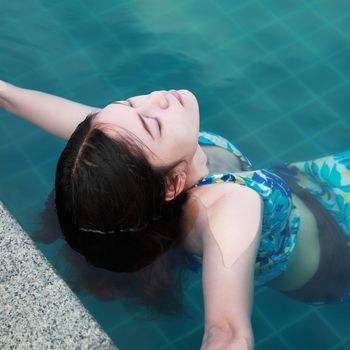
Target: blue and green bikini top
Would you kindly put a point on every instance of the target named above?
(281, 218)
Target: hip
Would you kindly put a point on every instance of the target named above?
(304, 259)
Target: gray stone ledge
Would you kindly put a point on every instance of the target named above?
(37, 308)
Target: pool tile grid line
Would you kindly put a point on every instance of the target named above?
(285, 151)
(315, 98)
(268, 53)
(315, 309)
(29, 285)
(330, 326)
(278, 155)
(271, 335)
(291, 74)
(169, 11)
(295, 321)
(314, 135)
(271, 53)
(60, 58)
(334, 53)
(265, 339)
(327, 24)
(301, 39)
(331, 24)
(306, 68)
(33, 167)
(296, 144)
(274, 333)
(189, 333)
(342, 342)
(21, 138)
(286, 325)
(227, 14)
(326, 105)
(223, 9)
(159, 329)
(32, 205)
(167, 342)
(249, 35)
(283, 116)
(329, 21)
(12, 141)
(322, 58)
(154, 327)
(168, 347)
(20, 150)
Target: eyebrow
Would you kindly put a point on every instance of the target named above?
(145, 126)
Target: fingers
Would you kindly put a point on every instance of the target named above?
(3, 85)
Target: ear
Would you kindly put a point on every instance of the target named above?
(175, 184)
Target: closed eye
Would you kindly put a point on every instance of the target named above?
(141, 119)
(158, 122)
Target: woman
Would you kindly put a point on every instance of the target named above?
(148, 162)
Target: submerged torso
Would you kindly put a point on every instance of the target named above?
(220, 160)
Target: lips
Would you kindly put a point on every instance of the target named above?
(177, 95)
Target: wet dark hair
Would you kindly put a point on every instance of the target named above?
(109, 204)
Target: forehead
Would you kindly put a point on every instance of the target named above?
(119, 118)
(113, 109)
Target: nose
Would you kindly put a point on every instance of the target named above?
(156, 99)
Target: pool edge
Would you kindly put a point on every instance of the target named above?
(37, 308)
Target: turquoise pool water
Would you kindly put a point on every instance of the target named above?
(272, 76)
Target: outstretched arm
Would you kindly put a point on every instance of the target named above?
(229, 253)
(54, 114)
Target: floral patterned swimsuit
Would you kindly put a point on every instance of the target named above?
(281, 218)
(326, 179)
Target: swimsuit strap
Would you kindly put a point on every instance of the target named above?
(210, 138)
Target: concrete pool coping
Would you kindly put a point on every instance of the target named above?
(37, 308)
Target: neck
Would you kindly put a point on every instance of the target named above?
(197, 169)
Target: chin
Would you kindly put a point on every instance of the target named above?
(187, 93)
(188, 96)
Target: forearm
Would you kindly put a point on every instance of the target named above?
(54, 114)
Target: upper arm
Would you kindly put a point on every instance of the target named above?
(56, 115)
(70, 117)
(229, 253)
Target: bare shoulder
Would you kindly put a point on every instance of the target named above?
(212, 196)
(210, 206)
(209, 194)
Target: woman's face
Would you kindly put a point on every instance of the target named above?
(167, 122)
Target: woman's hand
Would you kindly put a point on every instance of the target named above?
(223, 340)
(225, 344)
(3, 87)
